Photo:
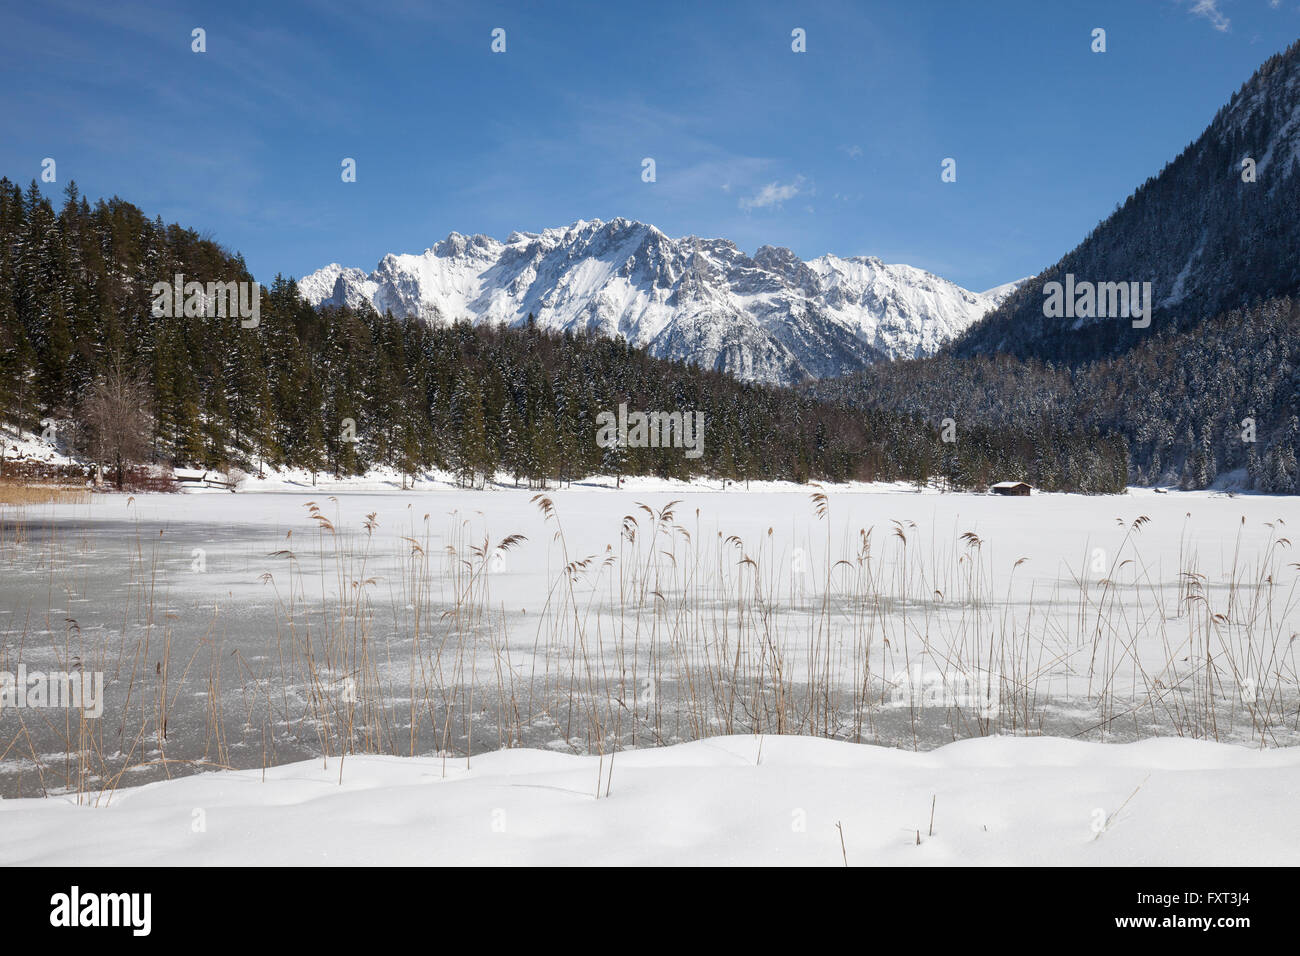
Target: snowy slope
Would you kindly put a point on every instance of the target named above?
(19, 445)
(769, 318)
(998, 294)
(727, 800)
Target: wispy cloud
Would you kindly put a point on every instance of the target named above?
(853, 151)
(1209, 9)
(773, 194)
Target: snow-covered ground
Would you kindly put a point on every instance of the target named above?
(268, 627)
(729, 800)
(18, 444)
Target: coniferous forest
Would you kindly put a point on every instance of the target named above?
(341, 390)
(1222, 396)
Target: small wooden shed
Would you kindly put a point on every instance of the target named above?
(1011, 488)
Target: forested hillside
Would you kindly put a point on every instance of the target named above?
(79, 346)
(1212, 385)
(1217, 229)
(1221, 396)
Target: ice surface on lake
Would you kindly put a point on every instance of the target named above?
(255, 629)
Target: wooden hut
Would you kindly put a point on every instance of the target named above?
(1011, 488)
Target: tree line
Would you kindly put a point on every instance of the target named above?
(1222, 396)
(344, 390)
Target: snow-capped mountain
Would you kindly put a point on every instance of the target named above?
(768, 318)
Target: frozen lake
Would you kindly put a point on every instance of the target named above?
(261, 628)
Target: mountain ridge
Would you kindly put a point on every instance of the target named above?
(770, 318)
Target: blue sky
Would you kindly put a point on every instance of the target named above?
(837, 149)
